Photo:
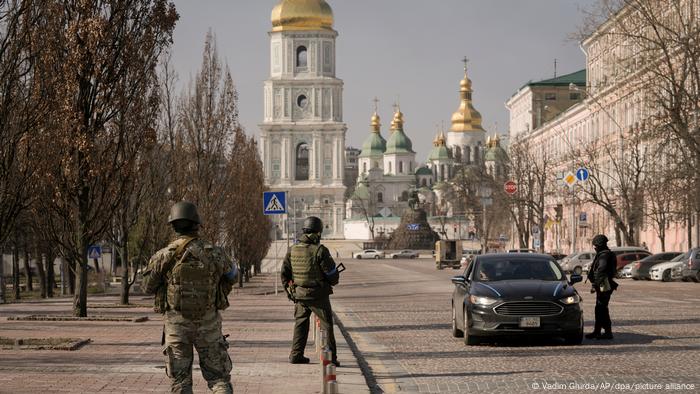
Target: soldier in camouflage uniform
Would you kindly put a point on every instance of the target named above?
(309, 273)
(191, 280)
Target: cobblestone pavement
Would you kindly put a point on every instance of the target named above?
(398, 315)
(126, 357)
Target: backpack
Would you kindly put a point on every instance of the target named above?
(193, 283)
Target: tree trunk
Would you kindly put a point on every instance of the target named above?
(28, 270)
(3, 288)
(124, 257)
(50, 274)
(80, 297)
(241, 269)
(15, 273)
(689, 223)
(41, 272)
(72, 270)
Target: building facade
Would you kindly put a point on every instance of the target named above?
(302, 138)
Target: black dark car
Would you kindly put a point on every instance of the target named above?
(511, 294)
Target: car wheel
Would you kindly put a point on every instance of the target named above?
(635, 278)
(578, 270)
(376, 257)
(685, 279)
(359, 257)
(666, 277)
(456, 332)
(469, 340)
(395, 257)
(618, 274)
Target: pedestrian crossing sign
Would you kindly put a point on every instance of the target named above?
(274, 203)
(94, 252)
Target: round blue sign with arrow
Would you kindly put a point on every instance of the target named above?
(582, 174)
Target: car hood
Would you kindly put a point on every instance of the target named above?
(519, 289)
(668, 265)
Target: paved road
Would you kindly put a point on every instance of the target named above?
(397, 313)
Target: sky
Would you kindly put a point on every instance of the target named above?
(409, 51)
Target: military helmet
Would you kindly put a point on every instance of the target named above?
(184, 210)
(312, 224)
(600, 240)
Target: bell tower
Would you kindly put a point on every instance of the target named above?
(302, 138)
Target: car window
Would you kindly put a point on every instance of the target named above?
(585, 256)
(512, 269)
(468, 271)
(681, 257)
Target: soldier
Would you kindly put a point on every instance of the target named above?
(601, 274)
(192, 279)
(309, 274)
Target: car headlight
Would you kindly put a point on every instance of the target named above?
(574, 299)
(479, 300)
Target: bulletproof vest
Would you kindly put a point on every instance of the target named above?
(193, 282)
(305, 269)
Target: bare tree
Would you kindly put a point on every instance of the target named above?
(100, 54)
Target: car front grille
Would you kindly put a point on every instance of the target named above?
(529, 308)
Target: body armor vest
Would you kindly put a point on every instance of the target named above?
(193, 283)
(305, 269)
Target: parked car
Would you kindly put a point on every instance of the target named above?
(640, 269)
(509, 294)
(369, 254)
(691, 270)
(665, 271)
(625, 258)
(404, 254)
(575, 262)
(522, 250)
(626, 271)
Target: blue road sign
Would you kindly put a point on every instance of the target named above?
(274, 203)
(413, 227)
(95, 252)
(582, 174)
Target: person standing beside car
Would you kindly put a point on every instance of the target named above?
(601, 275)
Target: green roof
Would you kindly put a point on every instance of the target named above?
(399, 143)
(374, 145)
(577, 78)
(424, 171)
(439, 153)
(495, 154)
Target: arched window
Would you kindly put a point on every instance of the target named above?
(364, 167)
(458, 154)
(467, 154)
(302, 167)
(380, 197)
(476, 153)
(301, 57)
(376, 164)
(442, 172)
(389, 167)
(423, 183)
(400, 167)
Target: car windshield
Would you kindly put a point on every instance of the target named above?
(514, 269)
(681, 257)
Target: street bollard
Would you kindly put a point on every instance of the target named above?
(315, 336)
(331, 382)
(326, 357)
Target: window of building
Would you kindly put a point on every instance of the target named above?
(301, 57)
(376, 164)
(400, 167)
(550, 96)
(389, 167)
(364, 167)
(467, 154)
(302, 163)
(574, 96)
(380, 197)
(302, 101)
(423, 183)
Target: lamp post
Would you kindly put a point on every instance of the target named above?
(485, 194)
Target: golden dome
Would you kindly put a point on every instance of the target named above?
(397, 122)
(466, 118)
(376, 124)
(302, 15)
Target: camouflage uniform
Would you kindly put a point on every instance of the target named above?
(310, 271)
(198, 326)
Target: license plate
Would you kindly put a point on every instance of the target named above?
(529, 322)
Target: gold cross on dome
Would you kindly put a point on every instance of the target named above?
(376, 104)
(466, 62)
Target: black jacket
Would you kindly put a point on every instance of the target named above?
(604, 265)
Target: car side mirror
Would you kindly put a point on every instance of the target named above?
(459, 280)
(575, 279)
